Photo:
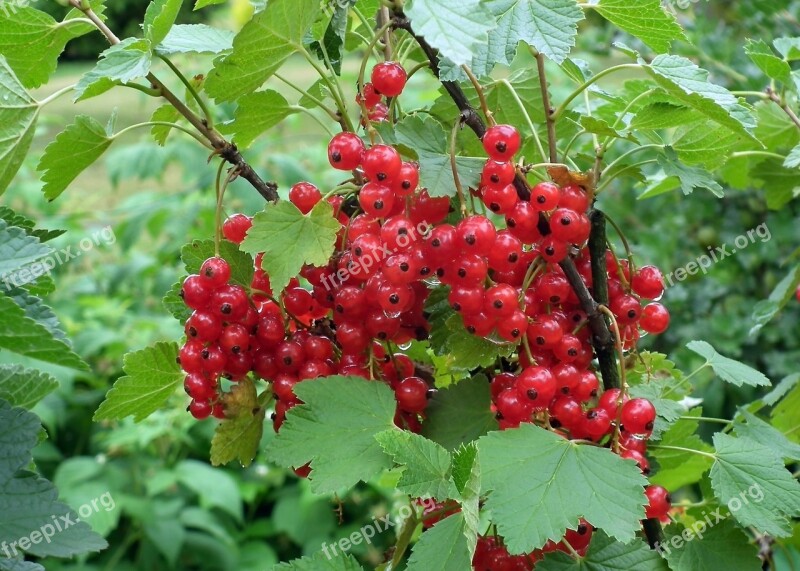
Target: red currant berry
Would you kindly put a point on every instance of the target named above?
(500, 199)
(381, 163)
(501, 142)
(304, 196)
(345, 151)
(230, 302)
(407, 179)
(369, 96)
(213, 360)
(545, 196)
(655, 318)
(522, 221)
(389, 78)
(476, 235)
(574, 198)
(412, 394)
(289, 356)
(199, 387)
(659, 502)
(627, 309)
(565, 411)
(203, 326)
(196, 292)
(545, 331)
(538, 385)
(553, 250)
(235, 227)
(596, 423)
(513, 408)
(638, 416)
(235, 339)
(648, 282)
(200, 409)
(377, 200)
(497, 174)
(501, 300)
(428, 210)
(566, 225)
(639, 458)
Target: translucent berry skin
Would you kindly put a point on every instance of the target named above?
(216, 272)
(501, 142)
(655, 318)
(235, 227)
(345, 151)
(381, 163)
(638, 416)
(412, 394)
(389, 78)
(304, 196)
(545, 196)
(659, 502)
(648, 282)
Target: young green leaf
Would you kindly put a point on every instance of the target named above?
(460, 413)
(261, 47)
(22, 335)
(426, 464)
(165, 113)
(766, 309)
(257, 113)
(121, 63)
(782, 185)
(753, 482)
(789, 48)
(238, 436)
(648, 20)
(542, 484)
(606, 554)
(763, 56)
(455, 27)
(443, 547)
(711, 547)
(75, 149)
(159, 19)
(24, 387)
(195, 39)
(19, 112)
(727, 369)
(689, 177)
(151, 376)
(321, 561)
(290, 239)
(203, 3)
(335, 430)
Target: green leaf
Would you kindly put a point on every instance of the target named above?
(261, 47)
(320, 561)
(159, 19)
(793, 158)
(763, 56)
(457, 28)
(18, 115)
(648, 20)
(335, 430)
(216, 488)
(198, 251)
(24, 387)
(123, 62)
(766, 309)
(203, 3)
(542, 484)
(29, 501)
(168, 113)
(721, 546)
(759, 431)
(32, 41)
(195, 39)
(18, 565)
(606, 554)
(428, 139)
(782, 185)
(36, 310)
(602, 127)
(173, 302)
(332, 40)
(705, 143)
(290, 239)
(15, 219)
(745, 471)
(663, 116)
(257, 113)
(789, 48)
(678, 468)
(22, 335)
(238, 436)
(460, 413)
(427, 464)
(689, 84)
(467, 480)
(727, 369)
(781, 389)
(689, 177)
(18, 250)
(443, 547)
(151, 376)
(784, 415)
(74, 150)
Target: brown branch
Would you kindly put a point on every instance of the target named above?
(223, 147)
(597, 253)
(783, 105)
(652, 531)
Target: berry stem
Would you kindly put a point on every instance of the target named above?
(454, 167)
(189, 132)
(783, 105)
(550, 118)
(330, 112)
(556, 115)
(481, 95)
(191, 90)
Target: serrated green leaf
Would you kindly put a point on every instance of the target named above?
(766, 309)
(216, 488)
(36, 310)
(173, 302)
(663, 116)
(290, 239)
(319, 91)
(24, 336)
(165, 113)
(789, 48)
(467, 480)
(600, 126)
(689, 84)
(704, 143)
(74, 149)
(793, 158)
(331, 42)
(606, 554)
(784, 415)
(121, 63)
(198, 251)
(335, 430)
(19, 565)
(541, 484)
(238, 436)
(195, 39)
(678, 468)
(257, 113)
(159, 19)
(766, 435)
(426, 464)
(460, 413)
(24, 387)
(18, 250)
(31, 502)
(729, 370)
(151, 376)
(454, 27)
(721, 546)
(775, 129)
(320, 561)
(16, 219)
(18, 115)
(782, 185)
(261, 47)
(763, 56)
(689, 177)
(648, 20)
(744, 471)
(443, 547)
(781, 389)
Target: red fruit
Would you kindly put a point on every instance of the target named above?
(304, 196)
(627, 309)
(381, 163)
(553, 250)
(545, 331)
(580, 537)
(574, 198)
(648, 282)
(500, 199)
(289, 356)
(502, 382)
(442, 244)
(476, 235)
(199, 387)
(345, 151)
(545, 196)
(565, 411)
(655, 318)
(568, 348)
(501, 301)
(235, 227)
(234, 339)
(639, 458)
(638, 416)
(522, 221)
(213, 360)
(389, 78)
(190, 357)
(501, 142)
(429, 210)
(538, 385)
(407, 179)
(659, 502)
(203, 326)
(200, 409)
(566, 225)
(412, 394)
(596, 423)
(369, 96)
(506, 253)
(480, 324)
(394, 298)
(513, 327)
(352, 337)
(378, 113)
(469, 270)
(196, 292)
(609, 401)
(513, 408)
(230, 302)
(216, 272)
(466, 299)
(376, 199)
(587, 388)
(398, 233)
(497, 174)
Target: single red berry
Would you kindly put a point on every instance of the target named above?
(235, 227)
(553, 250)
(230, 302)
(389, 78)
(565, 411)
(659, 502)
(196, 292)
(407, 179)
(573, 197)
(506, 253)
(566, 225)
(513, 408)
(545, 331)
(501, 142)
(412, 394)
(476, 235)
(235, 339)
(596, 423)
(428, 210)
(513, 327)
(545, 196)
(522, 221)
(378, 113)
(304, 196)
(638, 416)
(500, 199)
(609, 401)
(345, 151)
(216, 272)
(538, 385)
(199, 387)
(200, 409)
(497, 173)
(648, 282)
(627, 309)
(376, 199)
(639, 458)
(655, 318)
(213, 360)
(369, 96)
(203, 326)
(381, 163)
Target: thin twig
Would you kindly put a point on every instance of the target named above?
(783, 105)
(548, 111)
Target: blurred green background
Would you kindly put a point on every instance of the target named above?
(173, 510)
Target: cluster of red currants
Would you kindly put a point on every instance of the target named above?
(492, 555)
(388, 79)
